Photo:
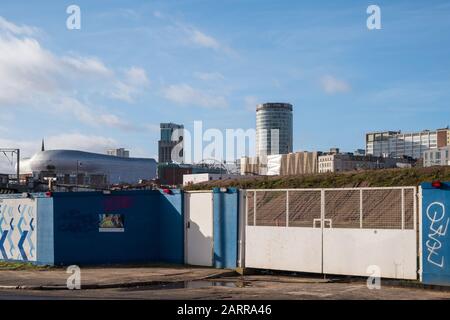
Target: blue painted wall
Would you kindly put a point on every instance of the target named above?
(226, 224)
(153, 226)
(68, 228)
(44, 228)
(172, 227)
(436, 234)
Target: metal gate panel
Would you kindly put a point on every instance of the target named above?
(283, 230)
(353, 251)
(198, 209)
(289, 249)
(333, 231)
(370, 227)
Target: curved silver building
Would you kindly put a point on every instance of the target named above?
(79, 167)
(273, 129)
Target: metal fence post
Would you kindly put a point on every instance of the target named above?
(287, 208)
(242, 218)
(254, 208)
(361, 208)
(403, 209)
(322, 207)
(416, 195)
(418, 205)
(246, 206)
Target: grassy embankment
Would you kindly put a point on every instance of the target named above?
(370, 178)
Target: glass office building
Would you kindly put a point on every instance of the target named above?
(166, 144)
(274, 129)
(397, 144)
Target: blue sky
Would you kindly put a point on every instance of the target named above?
(136, 63)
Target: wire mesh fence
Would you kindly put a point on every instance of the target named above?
(271, 208)
(382, 209)
(304, 208)
(365, 208)
(343, 208)
(410, 208)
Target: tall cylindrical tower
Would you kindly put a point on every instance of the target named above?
(273, 129)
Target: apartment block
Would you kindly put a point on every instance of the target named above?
(439, 157)
(341, 162)
(397, 144)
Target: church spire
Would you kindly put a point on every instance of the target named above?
(43, 146)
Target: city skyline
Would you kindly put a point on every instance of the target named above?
(133, 66)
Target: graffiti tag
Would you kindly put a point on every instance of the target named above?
(117, 203)
(437, 230)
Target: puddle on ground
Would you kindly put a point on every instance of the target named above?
(194, 284)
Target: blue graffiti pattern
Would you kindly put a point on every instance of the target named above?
(17, 230)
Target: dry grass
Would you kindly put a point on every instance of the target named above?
(13, 265)
(370, 178)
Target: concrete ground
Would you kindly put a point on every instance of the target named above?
(195, 283)
(94, 277)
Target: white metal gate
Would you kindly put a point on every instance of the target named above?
(348, 231)
(198, 213)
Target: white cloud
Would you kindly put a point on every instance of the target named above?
(184, 94)
(88, 65)
(119, 13)
(199, 38)
(77, 141)
(191, 35)
(209, 76)
(136, 76)
(135, 80)
(10, 27)
(8, 161)
(332, 85)
(26, 70)
(32, 77)
(94, 117)
(187, 34)
(204, 40)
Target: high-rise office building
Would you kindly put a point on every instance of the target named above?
(397, 144)
(171, 137)
(274, 129)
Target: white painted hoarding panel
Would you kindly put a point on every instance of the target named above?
(352, 251)
(199, 228)
(281, 248)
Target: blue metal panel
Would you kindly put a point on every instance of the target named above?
(171, 227)
(68, 228)
(435, 234)
(44, 229)
(226, 208)
(77, 236)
